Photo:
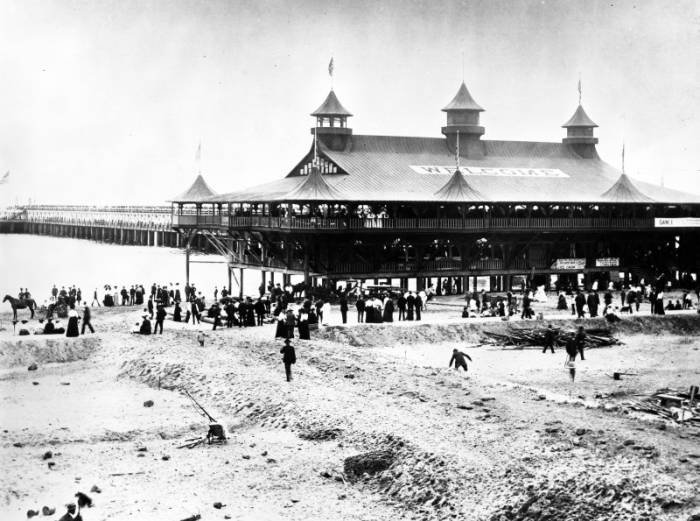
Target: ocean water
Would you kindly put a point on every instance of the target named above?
(38, 262)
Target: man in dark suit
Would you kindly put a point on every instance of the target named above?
(401, 304)
(86, 320)
(360, 306)
(580, 301)
(344, 308)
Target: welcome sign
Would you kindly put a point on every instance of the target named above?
(487, 171)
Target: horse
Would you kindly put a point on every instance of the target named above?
(20, 304)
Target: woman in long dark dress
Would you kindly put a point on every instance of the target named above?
(303, 326)
(177, 313)
(389, 310)
(72, 329)
(281, 331)
(561, 303)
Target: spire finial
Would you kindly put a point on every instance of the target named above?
(457, 150)
(579, 88)
(623, 157)
(315, 161)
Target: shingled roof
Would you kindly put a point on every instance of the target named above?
(331, 107)
(624, 191)
(457, 190)
(463, 101)
(414, 169)
(579, 119)
(199, 191)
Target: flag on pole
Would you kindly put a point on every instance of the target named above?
(5, 178)
(198, 154)
(330, 67)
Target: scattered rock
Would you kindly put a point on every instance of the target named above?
(32, 367)
(165, 457)
(218, 505)
(627, 443)
(96, 489)
(148, 403)
(18, 444)
(142, 449)
(35, 383)
(580, 431)
(465, 407)
(48, 511)
(368, 463)
(245, 456)
(32, 513)
(65, 383)
(264, 453)
(294, 500)
(271, 460)
(47, 455)
(327, 475)
(320, 434)
(541, 397)
(51, 464)
(350, 376)
(342, 496)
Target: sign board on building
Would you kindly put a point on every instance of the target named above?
(569, 264)
(486, 171)
(607, 262)
(677, 222)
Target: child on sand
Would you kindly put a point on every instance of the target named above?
(200, 338)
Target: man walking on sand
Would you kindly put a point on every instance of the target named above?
(160, 317)
(580, 340)
(289, 357)
(550, 337)
(86, 320)
(458, 357)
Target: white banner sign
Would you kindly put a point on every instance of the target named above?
(569, 264)
(677, 222)
(608, 262)
(484, 171)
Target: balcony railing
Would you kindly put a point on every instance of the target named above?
(369, 224)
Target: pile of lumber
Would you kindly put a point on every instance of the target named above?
(535, 336)
(670, 404)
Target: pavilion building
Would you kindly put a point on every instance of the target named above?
(457, 206)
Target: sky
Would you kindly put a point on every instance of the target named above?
(106, 102)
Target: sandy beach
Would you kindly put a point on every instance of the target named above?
(510, 439)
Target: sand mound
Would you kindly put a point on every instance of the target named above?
(42, 350)
(371, 335)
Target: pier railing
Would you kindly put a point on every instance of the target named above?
(144, 218)
(358, 224)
